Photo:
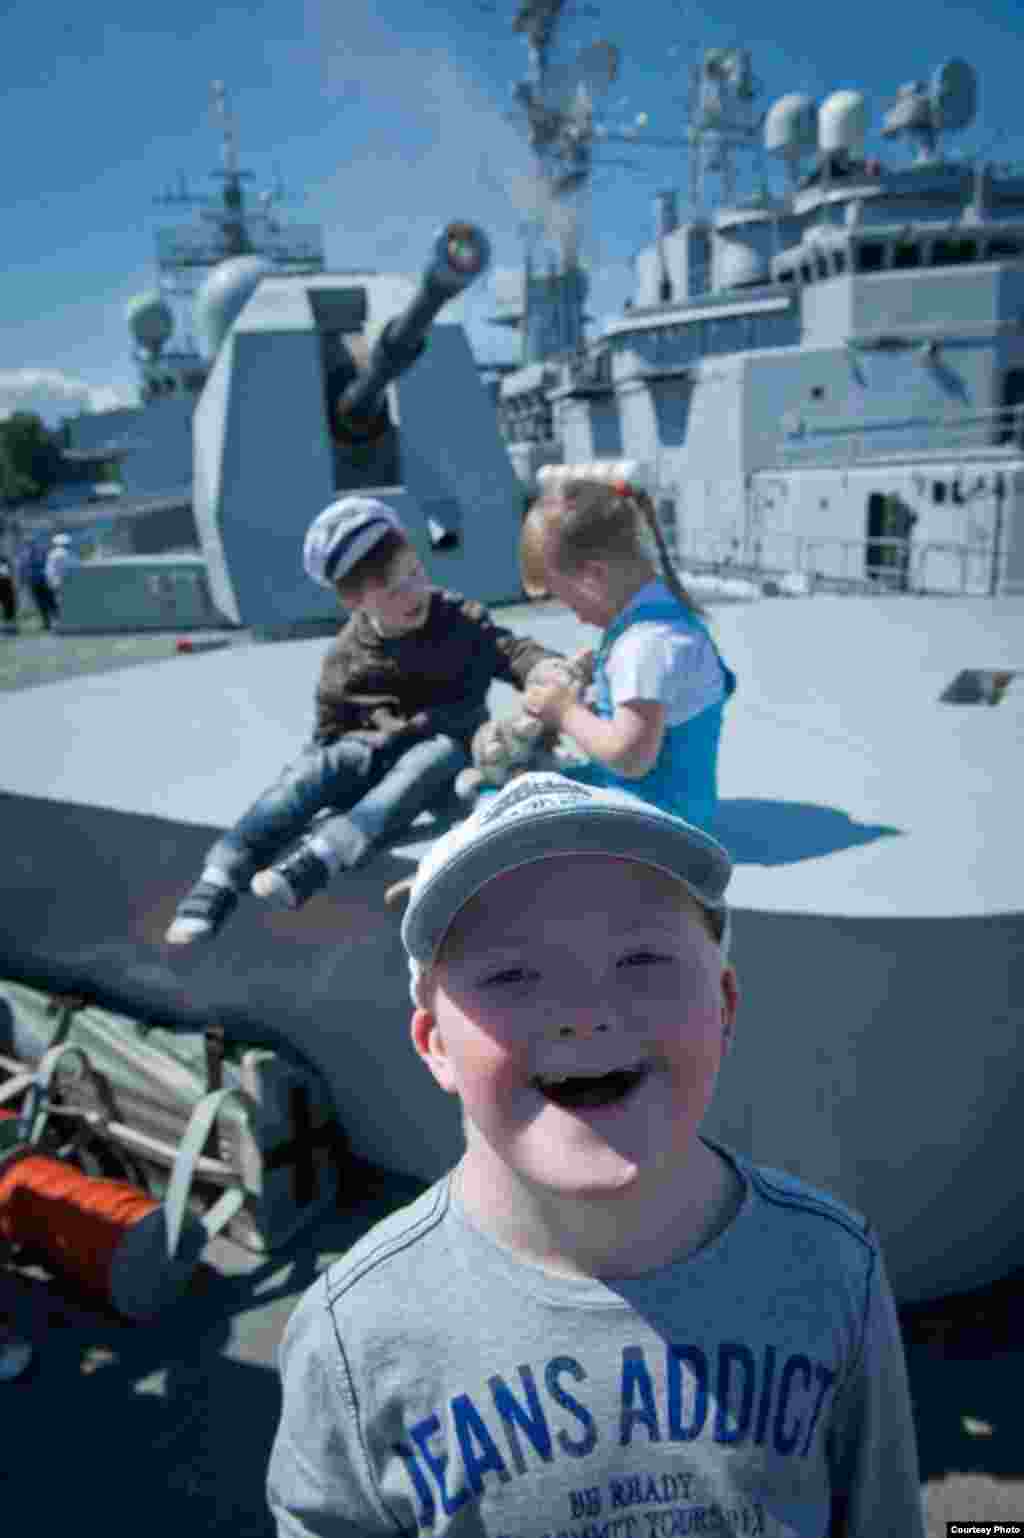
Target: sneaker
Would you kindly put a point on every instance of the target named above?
(15, 1359)
(201, 913)
(292, 881)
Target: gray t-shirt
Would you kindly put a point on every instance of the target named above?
(436, 1383)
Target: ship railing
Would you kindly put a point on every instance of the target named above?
(830, 563)
(883, 438)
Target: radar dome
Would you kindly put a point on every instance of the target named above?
(223, 296)
(790, 126)
(841, 124)
(954, 94)
(151, 321)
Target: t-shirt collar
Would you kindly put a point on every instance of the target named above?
(651, 592)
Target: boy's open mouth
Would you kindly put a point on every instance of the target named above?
(591, 1090)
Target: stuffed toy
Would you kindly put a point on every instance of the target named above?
(504, 748)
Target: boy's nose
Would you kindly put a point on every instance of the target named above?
(583, 1028)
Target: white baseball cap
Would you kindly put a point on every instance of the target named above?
(540, 815)
(343, 533)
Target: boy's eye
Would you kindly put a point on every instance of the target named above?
(511, 975)
(642, 958)
(505, 976)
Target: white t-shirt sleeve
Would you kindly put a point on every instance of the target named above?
(653, 661)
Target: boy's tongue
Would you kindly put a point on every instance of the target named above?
(592, 1092)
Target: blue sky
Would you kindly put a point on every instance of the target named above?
(388, 117)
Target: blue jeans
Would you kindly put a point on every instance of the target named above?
(378, 791)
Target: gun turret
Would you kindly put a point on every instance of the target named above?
(461, 252)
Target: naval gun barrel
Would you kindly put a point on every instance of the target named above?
(461, 252)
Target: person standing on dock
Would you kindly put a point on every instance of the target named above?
(60, 558)
(8, 593)
(32, 574)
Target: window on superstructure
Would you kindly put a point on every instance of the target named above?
(906, 253)
(1000, 248)
(724, 335)
(773, 330)
(1011, 418)
(839, 261)
(947, 253)
(870, 256)
(821, 265)
(805, 272)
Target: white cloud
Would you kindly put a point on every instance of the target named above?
(52, 394)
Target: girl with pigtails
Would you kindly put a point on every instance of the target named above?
(660, 685)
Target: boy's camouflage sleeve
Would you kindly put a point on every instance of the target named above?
(514, 655)
(334, 717)
(872, 1445)
(338, 711)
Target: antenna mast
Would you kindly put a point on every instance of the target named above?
(231, 217)
(721, 119)
(559, 108)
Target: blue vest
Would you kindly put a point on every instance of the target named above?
(684, 778)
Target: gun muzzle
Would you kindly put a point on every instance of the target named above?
(461, 252)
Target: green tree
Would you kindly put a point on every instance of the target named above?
(29, 458)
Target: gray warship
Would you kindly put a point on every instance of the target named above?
(867, 772)
(826, 392)
(777, 372)
(826, 381)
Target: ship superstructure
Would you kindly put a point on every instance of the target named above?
(206, 270)
(228, 230)
(831, 380)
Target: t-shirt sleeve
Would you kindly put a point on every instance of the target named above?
(656, 662)
(318, 1482)
(872, 1446)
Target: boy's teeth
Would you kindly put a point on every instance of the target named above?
(561, 1078)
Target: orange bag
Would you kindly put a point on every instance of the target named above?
(76, 1221)
(121, 1245)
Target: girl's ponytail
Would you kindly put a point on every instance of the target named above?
(669, 577)
(589, 512)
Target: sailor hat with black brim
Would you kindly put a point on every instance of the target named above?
(343, 533)
(535, 817)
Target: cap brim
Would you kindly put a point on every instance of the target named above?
(689, 856)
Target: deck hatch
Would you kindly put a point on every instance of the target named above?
(979, 686)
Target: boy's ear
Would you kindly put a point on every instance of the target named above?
(429, 1047)
(595, 573)
(422, 1029)
(730, 1005)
